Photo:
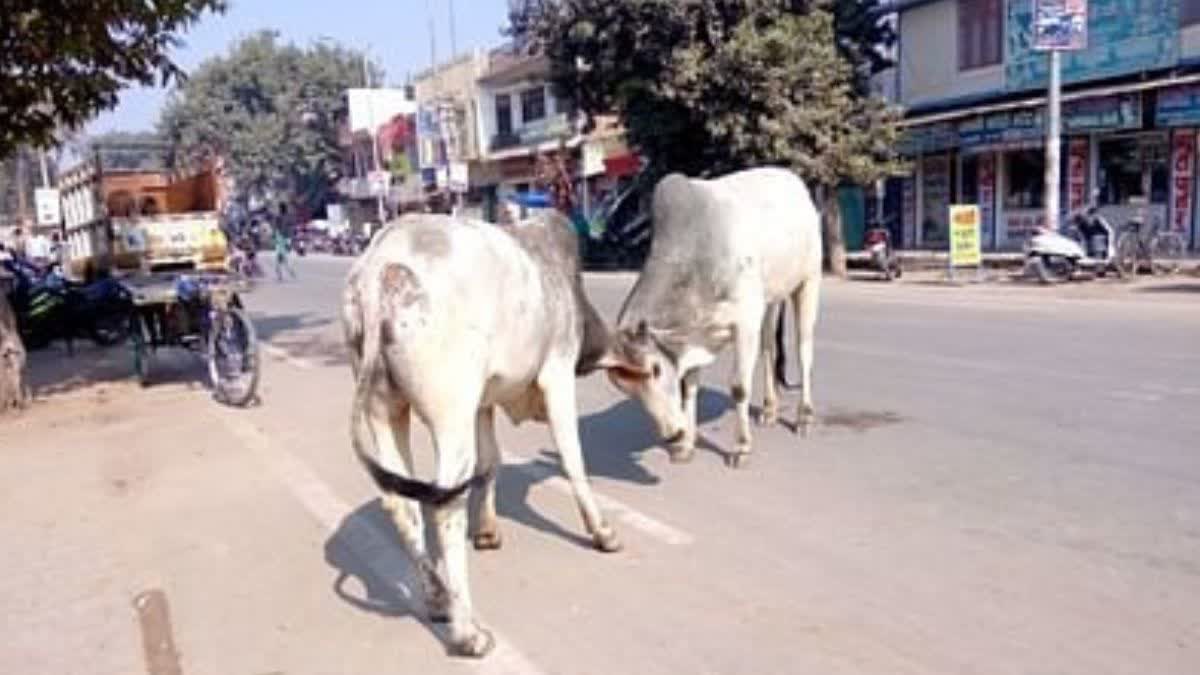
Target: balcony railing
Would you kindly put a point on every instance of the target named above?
(505, 141)
(546, 129)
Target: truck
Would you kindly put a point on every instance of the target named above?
(120, 220)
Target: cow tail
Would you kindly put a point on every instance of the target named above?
(366, 445)
(781, 351)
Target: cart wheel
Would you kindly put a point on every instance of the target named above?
(139, 339)
(233, 363)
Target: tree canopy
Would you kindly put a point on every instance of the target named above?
(272, 110)
(711, 86)
(63, 62)
(706, 87)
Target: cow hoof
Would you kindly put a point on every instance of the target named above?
(487, 541)
(681, 454)
(737, 460)
(606, 541)
(768, 418)
(475, 646)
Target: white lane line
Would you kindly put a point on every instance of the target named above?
(628, 515)
(281, 354)
(376, 550)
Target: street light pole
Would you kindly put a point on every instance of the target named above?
(373, 131)
(1053, 166)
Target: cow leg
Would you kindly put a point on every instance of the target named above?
(454, 438)
(405, 513)
(807, 302)
(558, 389)
(745, 354)
(770, 409)
(685, 449)
(487, 532)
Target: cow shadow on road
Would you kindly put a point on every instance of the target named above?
(615, 439)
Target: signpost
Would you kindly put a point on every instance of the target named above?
(1058, 25)
(966, 248)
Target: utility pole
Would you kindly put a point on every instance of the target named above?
(1053, 166)
(45, 168)
(373, 131)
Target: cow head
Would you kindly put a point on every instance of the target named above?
(644, 369)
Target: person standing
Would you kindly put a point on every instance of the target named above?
(281, 255)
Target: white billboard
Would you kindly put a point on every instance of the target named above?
(49, 206)
(372, 108)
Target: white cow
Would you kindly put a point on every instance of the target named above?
(448, 318)
(726, 254)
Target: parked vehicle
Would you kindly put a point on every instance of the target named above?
(1159, 250)
(1086, 244)
(48, 307)
(878, 243)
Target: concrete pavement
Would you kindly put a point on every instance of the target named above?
(1004, 480)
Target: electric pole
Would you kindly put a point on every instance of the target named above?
(1053, 166)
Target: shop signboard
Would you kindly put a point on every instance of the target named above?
(1077, 167)
(1059, 24)
(1178, 106)
(986, 189)
(1026, 128)
(920, 140)
(49, 206)
(1183, 169)
(1122, 38)
(965, 249)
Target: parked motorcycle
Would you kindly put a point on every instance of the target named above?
(1087, 244)
(49, 306)
(878, 242)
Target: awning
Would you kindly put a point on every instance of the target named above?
(532, 199)
(1035, 101)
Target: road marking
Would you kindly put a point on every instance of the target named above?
(652, 527)
(280, 354)
(379, 552)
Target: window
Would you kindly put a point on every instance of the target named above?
(533, 104)
(504, 123)
(1133, 169)
(980, 31)
(1025, 183)
(1189, 12)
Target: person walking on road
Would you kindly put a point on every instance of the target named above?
(281, 255)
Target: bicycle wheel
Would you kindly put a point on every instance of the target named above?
(233, 363)
(1127, 253)
(1167, 252)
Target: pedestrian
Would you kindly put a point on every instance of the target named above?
(281, 255)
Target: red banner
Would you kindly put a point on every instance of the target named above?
(1077, 167)
(1183, 168)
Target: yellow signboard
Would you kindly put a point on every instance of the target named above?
(965, 248)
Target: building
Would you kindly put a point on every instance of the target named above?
(448, 121)
(377, 131)
(973, 89)
(522, 121)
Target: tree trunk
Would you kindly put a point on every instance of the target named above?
(12, 359)
(831, 222)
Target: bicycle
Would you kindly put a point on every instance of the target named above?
(1161, 250)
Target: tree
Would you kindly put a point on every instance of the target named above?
(273, 111)
(712, 86)
(12, 359)
(65, 61)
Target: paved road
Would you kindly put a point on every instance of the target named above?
(1004, 480)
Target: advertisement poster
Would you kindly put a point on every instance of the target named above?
(1183, 168)
(1077, 167)
(1059, 24)
(965, 249)
(986, 175)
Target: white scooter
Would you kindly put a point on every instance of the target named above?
(1087, 244)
